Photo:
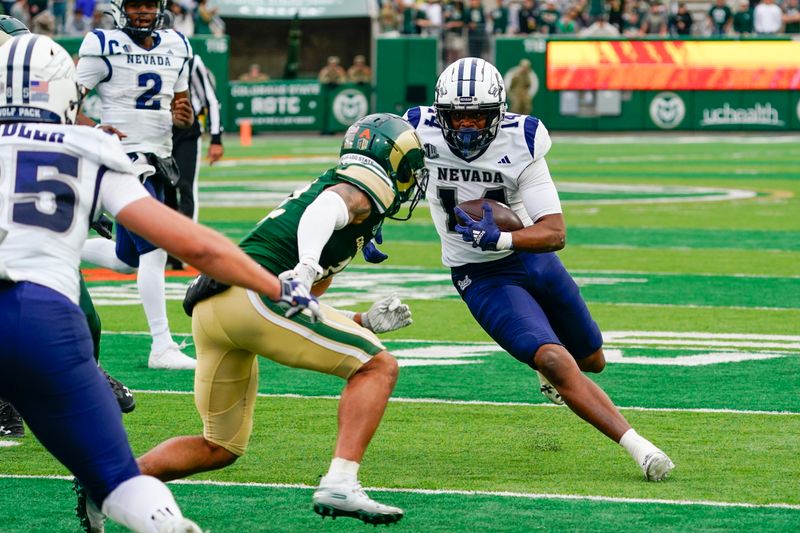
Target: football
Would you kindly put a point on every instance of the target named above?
(504, 217)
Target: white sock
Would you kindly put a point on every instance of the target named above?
(139, 503)
(103, 252)
(151, 290)
(636, 445)
(343, 470)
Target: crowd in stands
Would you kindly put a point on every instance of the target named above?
(465, 25)
(75, 18)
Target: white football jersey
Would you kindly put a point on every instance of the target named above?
(50, 188)
(136, 86)
(521, 140)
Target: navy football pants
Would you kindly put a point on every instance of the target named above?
(48, 373)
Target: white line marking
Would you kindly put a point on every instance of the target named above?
(438, 401)
(457, 492)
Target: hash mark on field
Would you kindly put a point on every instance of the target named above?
(500, 494)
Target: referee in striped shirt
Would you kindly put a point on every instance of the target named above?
(186, 143)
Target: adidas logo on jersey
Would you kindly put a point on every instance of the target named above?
(504, 161)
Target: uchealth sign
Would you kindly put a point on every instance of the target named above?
(722, 110)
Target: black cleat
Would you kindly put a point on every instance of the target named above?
(123, 394)
(91, 519)
(10, 421)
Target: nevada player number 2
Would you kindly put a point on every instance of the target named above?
(152, 82)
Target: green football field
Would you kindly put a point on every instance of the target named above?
(687, 250)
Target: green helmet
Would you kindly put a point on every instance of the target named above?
(10, 27)
(392, 143)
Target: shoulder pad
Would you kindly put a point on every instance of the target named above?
(177, 42)
(94, 44)
(537, 138)
(107, 149)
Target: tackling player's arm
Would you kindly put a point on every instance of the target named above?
(333, 209)
(182, 112)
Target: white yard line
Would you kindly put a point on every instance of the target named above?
(496, 404)
(497, 494)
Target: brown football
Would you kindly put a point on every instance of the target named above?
(504, 217)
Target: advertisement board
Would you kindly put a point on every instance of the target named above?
(673, 65)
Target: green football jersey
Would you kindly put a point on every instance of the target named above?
(273, 242)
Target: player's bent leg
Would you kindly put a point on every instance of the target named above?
(595, 363)
(361, 408)
(180, 457)
(588, 401)
(581, 394)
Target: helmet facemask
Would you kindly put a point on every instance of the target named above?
(123, 22)
(470, 88)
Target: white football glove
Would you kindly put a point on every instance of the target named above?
(385, 315)
(306, 272)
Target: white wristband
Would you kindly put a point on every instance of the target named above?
(505, 242)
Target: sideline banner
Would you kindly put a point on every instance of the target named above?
(286, 9)
(673, 65)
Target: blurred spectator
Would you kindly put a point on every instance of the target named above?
(519, 88)
(389, 21)
(454, 43)
(475, 19)
(332, 73)
(600, 28)
(743, 19)
(79, 24)
(359, 71)
(631, 24)
(204, 18)
(548, 18)
(35, 7)
(20, 12)
(254, 74)
(411, 16)
(435, 18)
(101, 20)
(767, 17)
(616, 8)
(791, 17)
(656, 19)
(86, 6)
(720, 17)
(182, 16)
(566, 24)
(44, 23)
(7, 5)
(500, 18)
(682, 21)
(528, 22)
(59, 10)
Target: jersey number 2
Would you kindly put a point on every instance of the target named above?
(146, 100)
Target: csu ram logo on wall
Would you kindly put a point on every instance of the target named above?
(667, 110)
(349, 106)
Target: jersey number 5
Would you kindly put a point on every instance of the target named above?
(45, 203)
(146, 100)
(449, 199)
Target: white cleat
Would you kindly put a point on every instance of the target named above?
(178, 525)
(657, 466)
(171, 358)
(349, 499)
(548, 390)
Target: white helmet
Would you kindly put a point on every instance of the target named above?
(470, 85)
(37, 81)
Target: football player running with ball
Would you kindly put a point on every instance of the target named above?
(141, 75)
(311, 236)
(513, 282)
(56, 176)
